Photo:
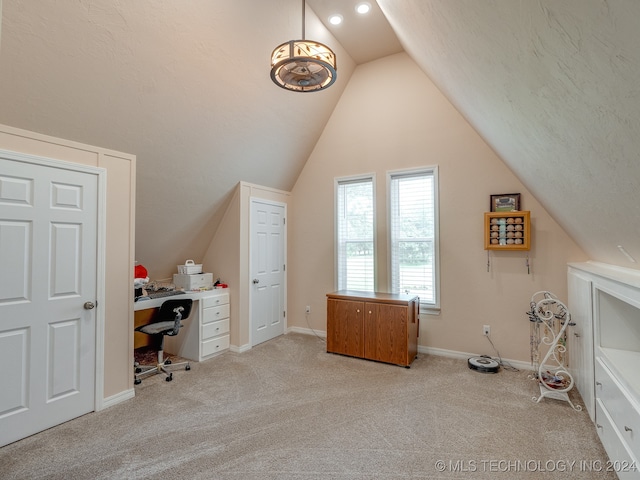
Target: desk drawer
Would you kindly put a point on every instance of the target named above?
(213, 314)
(209, 347)
(215, 300)
(617, 450)
(214, 329)
(620, 407)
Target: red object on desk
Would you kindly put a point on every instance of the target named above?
(140, 272)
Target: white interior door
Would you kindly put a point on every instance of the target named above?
(267, 252)
(48, 271)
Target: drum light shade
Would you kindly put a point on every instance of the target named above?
(303, 65)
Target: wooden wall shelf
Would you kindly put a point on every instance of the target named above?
(507, 230)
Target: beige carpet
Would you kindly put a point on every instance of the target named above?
(288, 410)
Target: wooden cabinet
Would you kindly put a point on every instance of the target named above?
(375, 326)
(345, 327)
(507, 230)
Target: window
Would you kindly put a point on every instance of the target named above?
(355, 234)
(413, 233)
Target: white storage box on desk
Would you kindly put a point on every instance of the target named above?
(190, 268)
(196, 281)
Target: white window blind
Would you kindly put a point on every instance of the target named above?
(355, 234)
(413, 230)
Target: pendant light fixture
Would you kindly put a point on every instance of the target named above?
(303, 65)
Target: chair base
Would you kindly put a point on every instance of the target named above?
(163, 366)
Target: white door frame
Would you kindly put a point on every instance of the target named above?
(101, 174)
(253, 200)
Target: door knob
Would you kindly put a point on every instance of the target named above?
(89, 305)
(255, 280)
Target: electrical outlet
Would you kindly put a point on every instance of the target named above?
(486, 330)
(307, 309)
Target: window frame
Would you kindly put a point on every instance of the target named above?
(370, 177)
(429, 308)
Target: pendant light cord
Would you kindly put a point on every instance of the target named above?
(303, 17)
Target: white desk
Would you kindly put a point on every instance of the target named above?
(205, 333)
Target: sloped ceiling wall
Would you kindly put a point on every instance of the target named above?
(182, 85)
(553, 87)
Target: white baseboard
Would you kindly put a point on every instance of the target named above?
(428, 350)
(307, 331)
(116, 399)
(240, 349)
(520, 365)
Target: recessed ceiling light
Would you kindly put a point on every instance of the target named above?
(335, 19)
(363, 8)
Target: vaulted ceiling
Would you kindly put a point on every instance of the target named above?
(550, 85)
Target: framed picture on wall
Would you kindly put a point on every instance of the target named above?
(505, 202)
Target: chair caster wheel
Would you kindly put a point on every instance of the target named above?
(138, 370)
(137, 381)
(169, 378)
(188, 367)
(167, 362)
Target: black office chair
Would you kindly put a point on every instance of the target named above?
(167, 322)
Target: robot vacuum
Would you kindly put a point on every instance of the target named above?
(483, 364)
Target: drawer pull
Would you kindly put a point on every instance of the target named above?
(598, 425)
(599, 384)
(627, 429)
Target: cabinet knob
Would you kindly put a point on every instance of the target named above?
(369, 312)
(358, 311)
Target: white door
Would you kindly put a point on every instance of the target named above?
(48, 271)
(267, 251)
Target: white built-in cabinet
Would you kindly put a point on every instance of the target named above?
(206, 332)
(580, 337)
(604, 301)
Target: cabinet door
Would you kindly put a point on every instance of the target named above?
(345, 327)
(580, 338)
(386, 333)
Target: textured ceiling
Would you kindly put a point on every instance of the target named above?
(551, 86)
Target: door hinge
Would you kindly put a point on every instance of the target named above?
(284, 314)
(284, 268)
(284, 221)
